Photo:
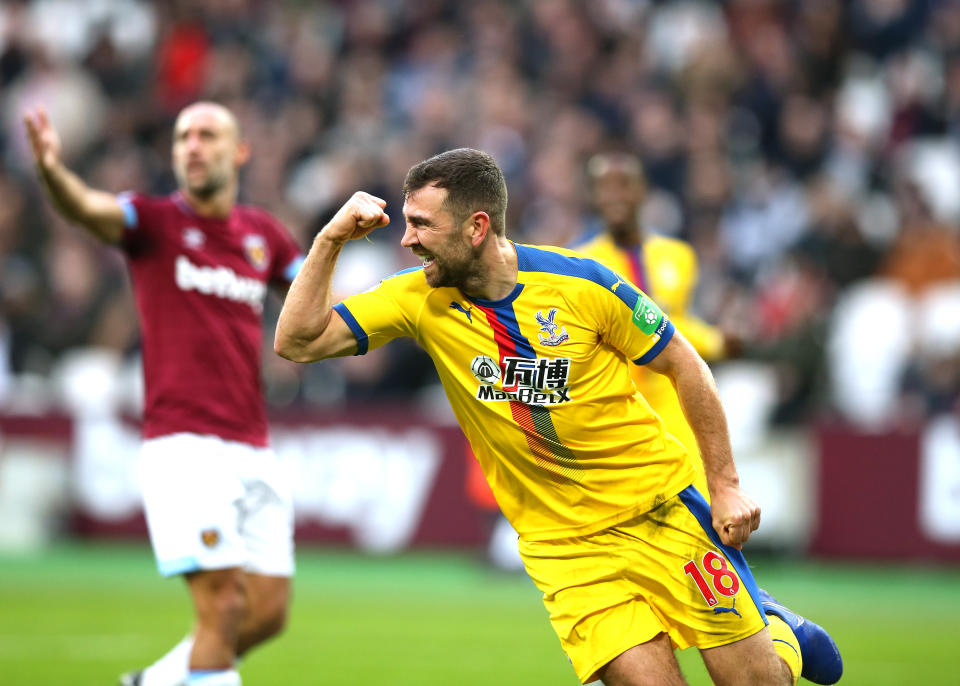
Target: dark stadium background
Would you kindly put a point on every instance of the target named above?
(810, 151)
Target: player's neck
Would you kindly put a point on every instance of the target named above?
(217, 206)
(498, 277)
(627, 236)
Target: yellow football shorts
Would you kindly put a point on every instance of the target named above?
(664, 571)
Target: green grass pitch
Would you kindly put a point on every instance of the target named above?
(83, 614)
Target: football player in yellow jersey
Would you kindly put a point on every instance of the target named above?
(665, 268)
(532, 345)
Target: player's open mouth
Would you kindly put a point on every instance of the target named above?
(427, 261)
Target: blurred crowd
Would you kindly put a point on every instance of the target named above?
(809, 150)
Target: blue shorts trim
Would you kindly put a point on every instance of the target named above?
(700, 509)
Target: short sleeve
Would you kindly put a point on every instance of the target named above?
(131, 216)
(633, 323)
(287, 255)
(624, 317)
(383, 313)
(673, 272)
(138, 221)
(673, 269)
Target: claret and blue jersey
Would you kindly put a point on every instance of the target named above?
(199, 284)
(539, 382)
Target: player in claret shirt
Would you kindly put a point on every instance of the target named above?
(533, 345)
(218, 509)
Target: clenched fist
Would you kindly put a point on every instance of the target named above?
(735, 516)
(360, 215)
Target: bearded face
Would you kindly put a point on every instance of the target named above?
(437, 237)
(617, 196)
(453, 263)
(204, 150)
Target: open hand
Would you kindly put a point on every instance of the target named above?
(360, 215)
(44, 139)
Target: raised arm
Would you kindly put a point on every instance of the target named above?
(735, 514)
(308, 329)
(97, 211)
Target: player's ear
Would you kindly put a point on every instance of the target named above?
(479, 227)
(241, 154)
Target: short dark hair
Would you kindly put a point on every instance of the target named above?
(473, 181)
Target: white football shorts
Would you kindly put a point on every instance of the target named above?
(214, 504)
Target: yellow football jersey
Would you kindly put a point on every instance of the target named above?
(539, 382)
(668, 272)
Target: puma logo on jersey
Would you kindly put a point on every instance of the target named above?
(459, 308)
(733, 608)
(615, 286)
(221, 282)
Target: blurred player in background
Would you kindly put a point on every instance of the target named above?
(532, 346)
(218, 508)
(665, 268)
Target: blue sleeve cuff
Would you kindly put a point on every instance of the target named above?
(290, 273)
(665, 337)
(130, 219)
(362, 341)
